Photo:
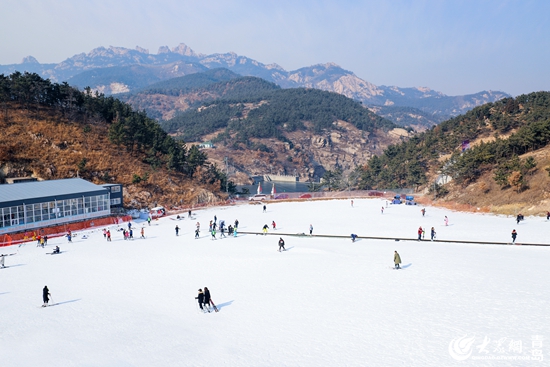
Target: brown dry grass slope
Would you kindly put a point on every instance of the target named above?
(46, 145)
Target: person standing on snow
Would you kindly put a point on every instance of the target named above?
(213, 233)
(382, 210)
(108, 235)
(177, 230)
(274, 225)
(200, 298)
(423, 211)
(207, 298)
(265, 208)
(264, 229)
(432, 233)
(310, 230)
(236, 223)
(446, 220)
(45, 295)
(514, 235)
(281, 244)
(397, 260)
(420, 233)
(2, 257)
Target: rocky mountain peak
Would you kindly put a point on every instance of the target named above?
(29, 60)
(142, 50)
(164, 50)
(184, 50)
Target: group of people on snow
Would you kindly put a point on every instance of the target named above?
(205, 301)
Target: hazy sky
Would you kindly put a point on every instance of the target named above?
(456, 47)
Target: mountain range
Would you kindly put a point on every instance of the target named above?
(115, 70)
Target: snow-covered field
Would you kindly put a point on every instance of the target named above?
(323, 302)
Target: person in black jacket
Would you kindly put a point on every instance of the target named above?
(45, 295)
(281, 244)
(206, 297)
(200, 297)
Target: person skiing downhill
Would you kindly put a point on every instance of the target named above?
(2, 257)
(264, 229)
(197, 231)
(281, 244)
(397, 260)
(45, 295)
(200, 298)
(514, 235)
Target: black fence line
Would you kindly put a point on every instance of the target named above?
(393, 239)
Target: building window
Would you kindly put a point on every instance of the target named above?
(115, 201)
(115, 188)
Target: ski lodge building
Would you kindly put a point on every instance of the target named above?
(31, 205)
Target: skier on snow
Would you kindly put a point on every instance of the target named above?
(397, 260)
(177, 230)
(420, 233)
(281, 244)
(514, 235)
(310, 230)
(200, 298)
(45, 295)
(207, 298)
(274, 225)
(432, 233)
(56, 250)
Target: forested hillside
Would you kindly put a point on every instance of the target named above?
(164, 99)
(499, 140)
(53, 131)
(273, 114)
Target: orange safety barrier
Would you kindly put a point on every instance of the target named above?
(60, 230)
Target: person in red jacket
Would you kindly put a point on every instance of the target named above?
(420, 233)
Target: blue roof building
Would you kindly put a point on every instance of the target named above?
(31, 205)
